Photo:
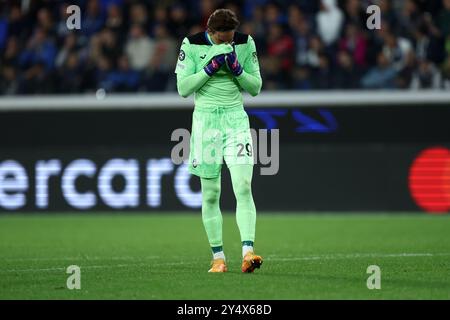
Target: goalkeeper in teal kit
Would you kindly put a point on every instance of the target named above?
(216, 65)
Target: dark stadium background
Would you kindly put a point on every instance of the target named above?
(356, 157)
(131, 46)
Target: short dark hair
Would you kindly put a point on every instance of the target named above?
(222, 20)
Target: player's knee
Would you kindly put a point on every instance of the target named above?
(242, 188)
(212, 195)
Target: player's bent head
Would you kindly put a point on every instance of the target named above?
(222, 24)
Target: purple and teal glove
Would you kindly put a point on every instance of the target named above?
(215, 64)
(233, 64)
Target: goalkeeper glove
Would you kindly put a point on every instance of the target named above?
(215, 64)
(233, 63)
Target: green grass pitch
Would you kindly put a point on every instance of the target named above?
(166, 256)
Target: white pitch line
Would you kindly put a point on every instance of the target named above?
(84, 258)
(94, 267)
(63, 269)
(269, 258)
(357, 255)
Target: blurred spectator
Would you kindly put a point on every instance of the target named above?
(329, 21)
(444, 18)
(196, 29)
(45, 21)
(273, 14)
(323, 79)
(11, 54)
(3, 32)
(17, 25)
(446, 73)
(206, 8)
(422, 42)
(132, 45)
(376, 42)
(396, 50)
(165, 53)
(70, 45)
(405, 76)
(435, 46)
(259, 28)
(248, 28)
(39, 50)
(103, 74)
(301, 79)
(308, 6)
(92, 20)
(427, 76)
(347, 73)
(250, 6)
(124, 79)
(316, 48)
(380, 77)
(354, 13)
(37, 80)
(106, 4)
(302, 38)
(70, 74)
(161, 62)
(408, 19)
(105, 44)
(160, 17)
(447, 46)
(295, 15)
(387, 12)
(9, 81)
(234, 5)
(139, 15)
(273, 78)
(179, 22)
(281, 45)
(139, 47)
(355, 43)
(115, 20)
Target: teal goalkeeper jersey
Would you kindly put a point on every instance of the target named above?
(222, 89)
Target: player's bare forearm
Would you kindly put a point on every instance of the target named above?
(189, 84)
(250, 82)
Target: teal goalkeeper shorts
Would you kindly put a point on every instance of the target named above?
(219, 134)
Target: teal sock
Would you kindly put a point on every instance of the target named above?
(218, 252)
(217, 249)
(247, 246)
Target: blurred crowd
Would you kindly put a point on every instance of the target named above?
(132, 46)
